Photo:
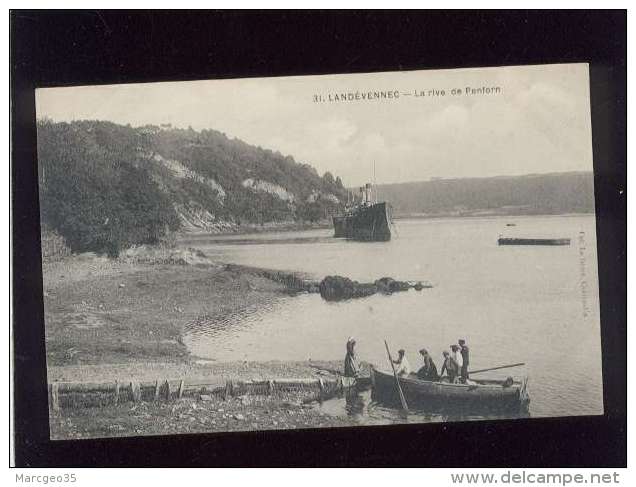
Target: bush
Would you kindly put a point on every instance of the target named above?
(95, 192)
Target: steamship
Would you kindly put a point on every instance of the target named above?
(366, 220)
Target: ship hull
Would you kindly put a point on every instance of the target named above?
(366, 223)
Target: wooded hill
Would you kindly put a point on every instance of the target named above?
(104, 187)
(533, 194)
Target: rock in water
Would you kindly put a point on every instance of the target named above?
(389, 285)
(333, 288)
(336, 288)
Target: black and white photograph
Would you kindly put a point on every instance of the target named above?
(319, 251)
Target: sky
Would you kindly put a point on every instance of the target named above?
(534, 119)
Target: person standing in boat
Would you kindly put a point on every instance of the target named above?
(428, 371)
(402, 366)
(457, 357)
(351, 366)
(465, 354)
(450, 366)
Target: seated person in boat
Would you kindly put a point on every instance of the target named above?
(465, 354)
(351, 366)
(402, 367)
(450, 366)
(428, 371)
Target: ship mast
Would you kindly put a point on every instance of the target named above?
(375, 184)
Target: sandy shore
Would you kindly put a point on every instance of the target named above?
(132, 310)
(221, 371)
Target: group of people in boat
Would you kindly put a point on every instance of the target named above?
(455, 363)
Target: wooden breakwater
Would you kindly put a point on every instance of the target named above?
(334, 288)
(292, 281)
(95, 394)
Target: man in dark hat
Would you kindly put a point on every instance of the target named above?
(351, 367)
(450, 367)
(428, 371)
(465, 360)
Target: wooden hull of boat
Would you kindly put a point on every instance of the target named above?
(490, 395)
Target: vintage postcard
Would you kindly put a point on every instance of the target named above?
(319, 251)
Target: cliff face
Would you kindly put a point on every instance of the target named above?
(104, 187)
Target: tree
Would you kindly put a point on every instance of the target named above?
(328, 178)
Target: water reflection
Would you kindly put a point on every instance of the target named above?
(223, 329)
(354, 402)
(359, 406)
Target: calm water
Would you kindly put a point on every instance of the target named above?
(532, 304)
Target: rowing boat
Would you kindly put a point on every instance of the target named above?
(489, 394)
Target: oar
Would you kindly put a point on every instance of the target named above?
(405, 407)
(362, 382)
(495, 368)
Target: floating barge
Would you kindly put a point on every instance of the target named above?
(533, 241)
(484, 394)
(366, 221)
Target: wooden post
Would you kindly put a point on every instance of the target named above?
(229, 389)
(181, 385)
(167, 390)
(136, 391)
(157, 390)
(322, 388)
(116, 392)
(55, 397)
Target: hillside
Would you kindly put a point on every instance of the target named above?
(105, 187)
(542, 194)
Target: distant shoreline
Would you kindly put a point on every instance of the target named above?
(325, 224)
(433, 216)
(269, 227)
